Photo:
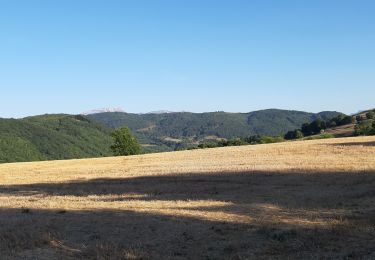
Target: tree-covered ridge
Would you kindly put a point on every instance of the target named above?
(52, 137)
(180, 130)
(222, 124)
(361, 124)
(61, 136)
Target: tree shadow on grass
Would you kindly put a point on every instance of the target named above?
(372, 143)
(310, 190)
(321, 215)
(111, 234)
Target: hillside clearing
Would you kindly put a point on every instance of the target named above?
(304, 199)
(342, 131)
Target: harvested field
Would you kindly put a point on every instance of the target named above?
(298, 200)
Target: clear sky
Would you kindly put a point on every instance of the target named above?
(193, 55)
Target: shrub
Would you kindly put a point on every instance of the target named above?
(296, 134)
(253, 139)
(208, 145)
(236, 142)
(321, 136)
(271, 139)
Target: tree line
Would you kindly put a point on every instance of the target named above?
(124, 142)
(365, 125)
(318, 126)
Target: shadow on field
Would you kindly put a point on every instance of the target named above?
(310, 190)
(320, 215)
(355, 144)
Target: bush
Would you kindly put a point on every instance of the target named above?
(257, 139)
(271, 139)
(253, 139)
(236, 142)
(208, 145)
(321, 136)
(296, 134)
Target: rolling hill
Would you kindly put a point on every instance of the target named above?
(170, 131)
(291, 200)
(52, 137)
(361, 124)
(62, 136)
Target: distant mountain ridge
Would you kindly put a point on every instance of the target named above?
(61, 136)
(160, 112)
(102, 110)
(170, 131)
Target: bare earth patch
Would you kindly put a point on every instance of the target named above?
(298, 200)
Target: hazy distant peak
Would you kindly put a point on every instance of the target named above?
(161, 112)
(102, 110)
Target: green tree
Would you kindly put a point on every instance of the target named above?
(314, 127)
(370, 115)
(253, 139)
(124, 143)
(296, 134)
(364, 128)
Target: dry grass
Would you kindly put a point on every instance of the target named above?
(342, 131)
(308, 199)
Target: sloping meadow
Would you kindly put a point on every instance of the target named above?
(298, 199)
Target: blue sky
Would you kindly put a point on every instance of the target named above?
(193, 55)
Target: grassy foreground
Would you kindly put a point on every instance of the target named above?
(304, 199)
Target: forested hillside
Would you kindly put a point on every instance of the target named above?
(178, 130)
(51, 137)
